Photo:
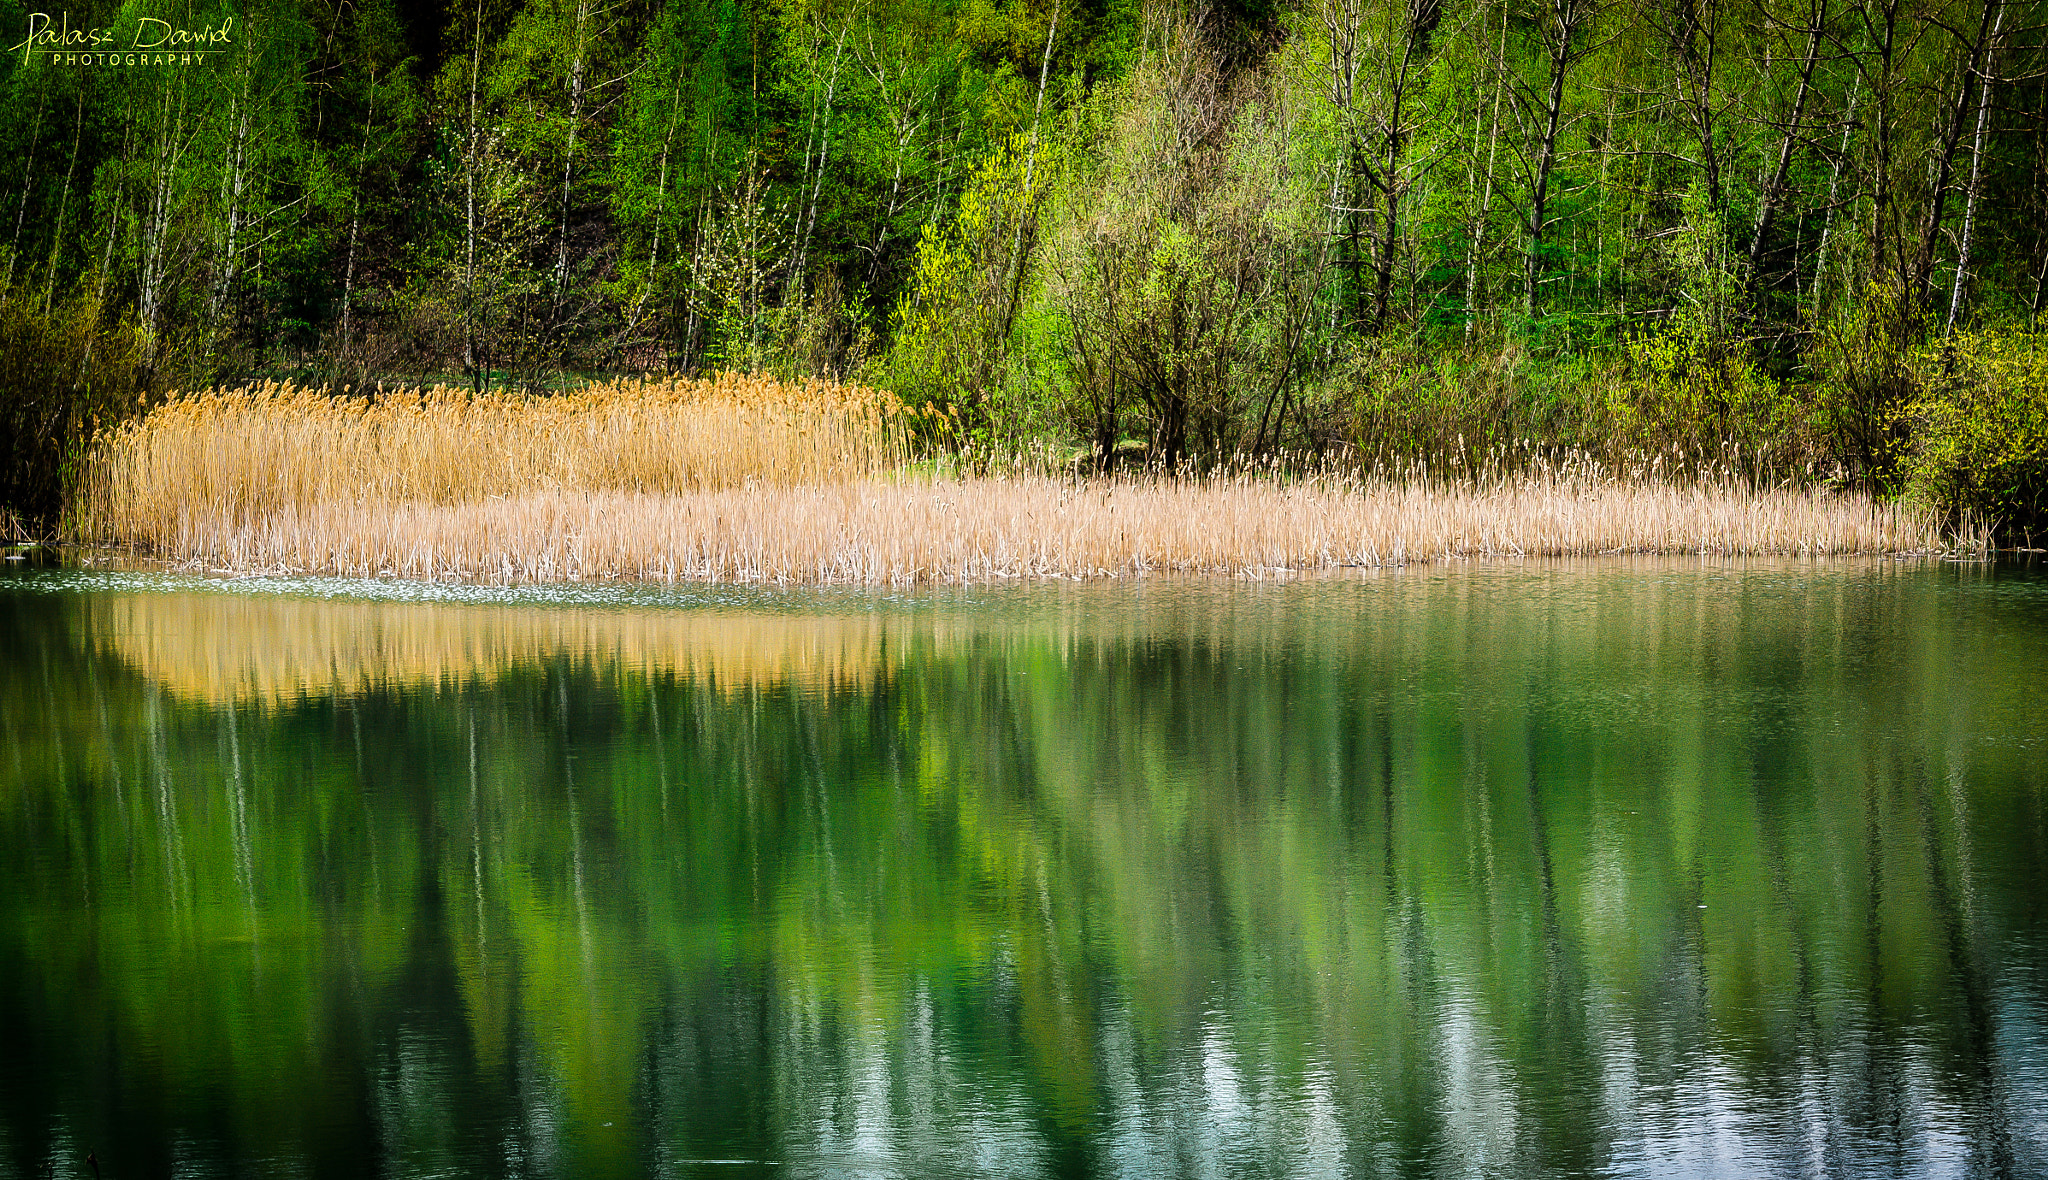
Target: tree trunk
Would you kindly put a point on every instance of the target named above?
(1390, 191)
(1015, 285)
(28, 184)
(1694, 30)
(64, 201)
(1820, 264)
(1421, 17)
(1955, 297)
(472, 359)
(1887, 253)
(1768, 199)
(1474, 293)
(233, 188)
(803, 250)
(155, 227)
(576, 65)
(1566, 15)
(1945, 156)
(660, 210)
(355, 219)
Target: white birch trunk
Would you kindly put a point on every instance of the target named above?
(1955, 296)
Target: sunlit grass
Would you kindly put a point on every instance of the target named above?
(746, 480)
(228, 459)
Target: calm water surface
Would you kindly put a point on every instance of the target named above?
(1609, 869)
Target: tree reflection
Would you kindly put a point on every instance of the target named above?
(1618, 871)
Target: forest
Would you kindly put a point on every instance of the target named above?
(1799, 240)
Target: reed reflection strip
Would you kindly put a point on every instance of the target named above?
(228, 649)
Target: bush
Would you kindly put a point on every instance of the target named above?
(63, 372)
(1862, 361)
(1700, 398)
(1675, 402)
(1976, 433)
(952, 350)
(1410, 409)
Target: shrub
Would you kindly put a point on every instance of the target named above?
(1976, 432)
(952, 348)
(1698, 396)
(63, 372)
(1442, 413)
(1862, 360)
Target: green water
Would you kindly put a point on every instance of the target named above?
(1630, 869)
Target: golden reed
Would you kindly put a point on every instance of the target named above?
(239, 455)
(748, 480)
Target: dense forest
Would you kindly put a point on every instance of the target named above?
(1787, 237)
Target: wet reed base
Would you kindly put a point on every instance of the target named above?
(885, 533)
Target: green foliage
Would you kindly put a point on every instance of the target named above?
(1183, 265)
(953, 347)
(1712, 232)
(1977, 432)
(1704, 401)
(64, 371)
(673, 154)
(1694, 390)
(1438, 411)
(1864, 365)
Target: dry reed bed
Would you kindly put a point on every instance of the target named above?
(877, 532)
(748, 480)
(245, 453)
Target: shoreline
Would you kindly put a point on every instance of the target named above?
(220, 642)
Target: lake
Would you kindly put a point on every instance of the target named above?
(1607, 868)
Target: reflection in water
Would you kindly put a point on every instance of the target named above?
(1619, 869)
